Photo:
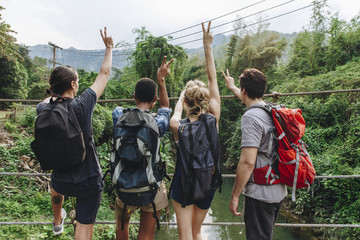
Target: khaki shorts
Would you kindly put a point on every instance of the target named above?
(160, 201)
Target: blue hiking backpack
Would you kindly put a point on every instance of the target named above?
(199, 157)
(135, 165)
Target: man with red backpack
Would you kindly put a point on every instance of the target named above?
(262, 202)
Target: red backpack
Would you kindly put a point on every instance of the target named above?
(294, 167)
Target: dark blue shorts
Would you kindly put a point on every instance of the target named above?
(177, 195)
(88, 197)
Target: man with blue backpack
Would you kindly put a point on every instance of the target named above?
(136, 166)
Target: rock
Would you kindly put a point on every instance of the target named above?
(72, 214)
(25, 166)
(25, 158)
(31, 163)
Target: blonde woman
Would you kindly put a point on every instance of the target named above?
(204, 102)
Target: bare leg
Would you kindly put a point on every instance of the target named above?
(57, 201)
(83, 231)
(184, 217)
(147, 225)
(197, 220)
(122, 234)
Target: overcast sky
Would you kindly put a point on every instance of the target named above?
(76, 23)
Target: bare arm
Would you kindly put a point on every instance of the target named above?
(230, 84)
(163, 71)
(175, 119)
(103, 77)
(243, 172)
(214, 105)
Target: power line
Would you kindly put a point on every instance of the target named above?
(277, 16)
(187, 35)
(95, 54)
(126, 52)
(223, 24)
(196, 25)
(220, 25)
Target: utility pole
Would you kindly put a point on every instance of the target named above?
(54, 52)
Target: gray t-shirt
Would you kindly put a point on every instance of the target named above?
(255, 126)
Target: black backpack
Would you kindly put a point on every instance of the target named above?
(135, 165)
(59, 142)
(199, 157)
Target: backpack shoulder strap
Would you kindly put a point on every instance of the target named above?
(149, 118)
(212, 147)
(203, 119)
(135, 118)
(267, 107)
(191, 141)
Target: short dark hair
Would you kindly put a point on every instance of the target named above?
(254, 83)
(145, 90)
(60, 79)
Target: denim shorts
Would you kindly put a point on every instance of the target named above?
(177, 194)
(87, 194)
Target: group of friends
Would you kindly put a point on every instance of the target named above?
(262, 203)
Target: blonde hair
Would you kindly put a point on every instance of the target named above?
(197, 97)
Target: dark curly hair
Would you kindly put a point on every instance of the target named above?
(145, 90)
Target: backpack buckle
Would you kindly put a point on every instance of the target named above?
(153, 186)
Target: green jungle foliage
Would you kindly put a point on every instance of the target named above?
(8, 47)
(324, 57)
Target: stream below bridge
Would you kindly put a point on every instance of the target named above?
(219, 212)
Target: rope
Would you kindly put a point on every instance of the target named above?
(170, 175)
(205, 224)
(273, 95)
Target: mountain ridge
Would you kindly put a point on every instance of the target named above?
(91, 60)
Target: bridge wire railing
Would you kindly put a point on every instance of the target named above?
(275, 97)
(301, 225)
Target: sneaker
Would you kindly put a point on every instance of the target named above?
(60, 228)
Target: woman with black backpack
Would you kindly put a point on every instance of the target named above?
(193, 188)
(84, 180)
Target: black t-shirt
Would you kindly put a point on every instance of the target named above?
(83, 106)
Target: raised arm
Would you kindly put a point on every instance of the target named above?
(163, 71)
(230, 84)
(175, 119)
(214, 105)
(103, 77)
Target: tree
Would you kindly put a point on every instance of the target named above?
(195, 69)
(8, 47)
(86, 79)
(13, 80)
(230, 52)
(309, 48)
(148, 56)
(121, 84)
(142, 34)
(260, 50)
